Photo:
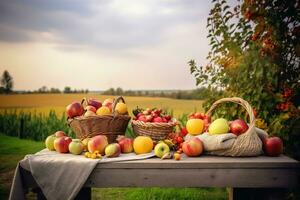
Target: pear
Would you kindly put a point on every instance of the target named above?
(219, 126)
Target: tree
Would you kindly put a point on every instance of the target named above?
(255, 54)
(67, 89)
(7, 82)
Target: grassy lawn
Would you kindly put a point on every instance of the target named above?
(13, 149)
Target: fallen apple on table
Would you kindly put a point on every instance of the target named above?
(97, 143)
(61, 144)
(273, 146)
(193, 147)
(126, 144)
(76, 147)
(161, 149)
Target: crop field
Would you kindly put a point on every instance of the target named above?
(43, 103)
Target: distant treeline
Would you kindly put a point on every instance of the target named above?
(44, 89)
(200, 93)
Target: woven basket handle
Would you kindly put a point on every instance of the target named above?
(241, 102)
(119, 98)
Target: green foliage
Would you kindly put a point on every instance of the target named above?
(255, 55)
(35, 126)
(6, 82)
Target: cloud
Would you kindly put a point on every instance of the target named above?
(109, 24)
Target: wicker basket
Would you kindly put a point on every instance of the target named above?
(157, 131)
(246, 144)
(109, 125)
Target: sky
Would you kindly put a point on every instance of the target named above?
(98, 44)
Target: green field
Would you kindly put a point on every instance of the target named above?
(13, 149)
(43, 103)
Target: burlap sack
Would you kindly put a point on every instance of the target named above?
(247, 144)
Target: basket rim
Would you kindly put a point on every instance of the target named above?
(110, 116)
(153, 124)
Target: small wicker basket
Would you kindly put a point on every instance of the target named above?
(109, 125)
(157, 131)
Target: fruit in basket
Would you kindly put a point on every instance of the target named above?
(121, 108)
(161, 149)
(89, 113)
(238, 127)
(76, 147)
(112, 150)
(97, 143)
(61, 144)
(126, 144)
(193, 147)
(142, 144)
(158, 120)
(94, 103)
(91, 108)
(219, 126)
(74, 109)
(49, 142)
(142, 118)
(59, 134)
(108, 103)
(195, 126)
(273, 146)
(103, 111)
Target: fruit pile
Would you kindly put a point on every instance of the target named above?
(151, 115)
(94, 107)
(198, 123)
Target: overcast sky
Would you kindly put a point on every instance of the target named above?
(98, 44)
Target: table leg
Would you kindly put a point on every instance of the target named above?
(84, 194)
(257, 193)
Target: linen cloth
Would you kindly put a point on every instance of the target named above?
(60, 176)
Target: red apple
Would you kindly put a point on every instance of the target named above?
(95, 103)
(108, 103)
(61, 144)
(158, 120)
(149, 118)
(273, 146)
(74, 109)
(126, 145)
(59, 134)
(183, 131)
(238, 127)
(91, 108)
(112, 150)
(193, 147)
(142, 118)
(97, 143)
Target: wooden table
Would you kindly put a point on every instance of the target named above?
(249, 178)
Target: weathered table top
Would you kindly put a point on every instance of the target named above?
(204, 171)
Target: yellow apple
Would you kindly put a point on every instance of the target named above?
(142, 144)
(195, 126)
(219, 126)
(103, 111)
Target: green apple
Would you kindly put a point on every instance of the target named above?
(49, 142)
(161, 149)
(76, 147)
(219, 126)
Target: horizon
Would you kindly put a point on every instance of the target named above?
(129, 44)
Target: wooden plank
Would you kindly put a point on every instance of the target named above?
(215, 162)
(252, 178)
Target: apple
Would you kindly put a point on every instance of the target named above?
(126, 144)
(273, 146)
(142, 144)
(97, 143)
(183, 132)
(121, 108)
(49, 142)
(108, 103)
(91, 108)
(103, 111)
(158, 120)
(161, 149)
(149, 118)
(112, 150)
(193, 147)
(89, 113)
(195, 126)
(61, 144)
(94, 103)
(219, 126)
(142, 118)
(76, 147)
(59, 134)
(177, 156)
(74, 109)
(238, 127)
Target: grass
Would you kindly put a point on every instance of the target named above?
(13, 149)
(43, 103)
